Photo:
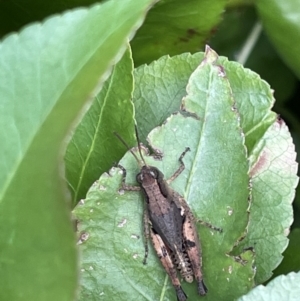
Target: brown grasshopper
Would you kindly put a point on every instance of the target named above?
(170, 223)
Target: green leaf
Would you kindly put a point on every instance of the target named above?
(174, 26)
(282, 288)
(254, 100)
(273, 172)
(273, 169)
(281, 20)
(93, 147)
(111, 220)
(47, 72)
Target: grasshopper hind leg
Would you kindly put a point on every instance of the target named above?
(181, 296)
(202, 289)
(166, 260)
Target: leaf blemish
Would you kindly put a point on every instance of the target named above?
(83, 237)
(260, 164)
(230, 211)
(221, 72)
(135, 256)
(230, 269)
(134, 236)
(102, 188)
(122, 223)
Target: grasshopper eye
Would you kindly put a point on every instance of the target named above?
(153, 174)
(139, 177)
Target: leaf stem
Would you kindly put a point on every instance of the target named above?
(243, 55)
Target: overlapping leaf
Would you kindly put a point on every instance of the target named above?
(47, 72)
(93, 147)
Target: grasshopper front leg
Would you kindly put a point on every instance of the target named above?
(124, 185)
(181, 167)
(146, 218)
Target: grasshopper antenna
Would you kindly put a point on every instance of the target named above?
(127, 146)
(138, 140)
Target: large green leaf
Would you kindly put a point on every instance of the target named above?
(254, 100)
(47, 72)
(93, 149)
(281, 20)
(110, 221)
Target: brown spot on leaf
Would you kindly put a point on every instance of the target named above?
(183, 39)
(192, 32)
(189, 34)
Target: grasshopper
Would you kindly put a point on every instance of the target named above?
(170, 223)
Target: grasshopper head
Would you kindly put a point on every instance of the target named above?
(148, 175)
